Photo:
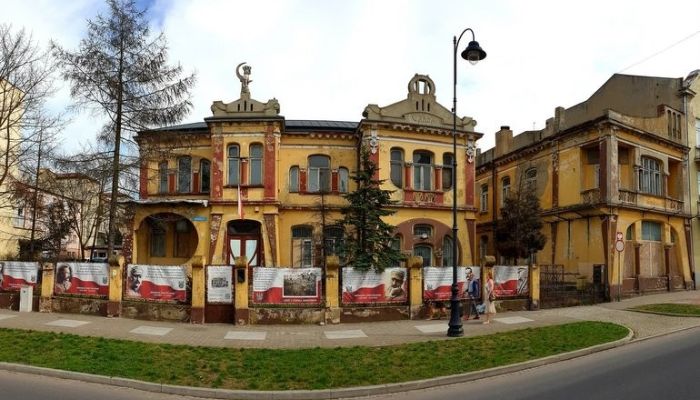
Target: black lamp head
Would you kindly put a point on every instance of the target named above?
(473, 53)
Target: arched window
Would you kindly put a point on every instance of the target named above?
(294, 179)
(651, 231)
(423, 231)
(234, 163)
(397, 167)
(422, 170)
(484, 206)
(447, 247)
(505, 189)
(256, 164)
(163, 177)
(205, 176)
(650, 176)
(343, 179)
(531, 179)
(184, 174)
(447, 161)
(319, 174)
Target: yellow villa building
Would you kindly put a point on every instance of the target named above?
(611, 176)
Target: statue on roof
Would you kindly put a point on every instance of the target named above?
(245, 78)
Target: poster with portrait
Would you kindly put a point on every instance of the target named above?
(286, 285)
(15, 274)
(437, 282)
(219, 284)
(361, 287)
(88, 279)
(156, 282)
(510, 280)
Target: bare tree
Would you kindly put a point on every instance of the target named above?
(120, 70)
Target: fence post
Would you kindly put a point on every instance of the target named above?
(242, 314)
(116, 268)
(47, 277)
(198, 290)
(415, 294)
(534, 274)
(332, 282)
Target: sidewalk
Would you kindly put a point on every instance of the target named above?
(356, 334)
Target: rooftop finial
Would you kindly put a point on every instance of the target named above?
(245, 79)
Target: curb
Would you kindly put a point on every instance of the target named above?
(666, 314)
(361, 391)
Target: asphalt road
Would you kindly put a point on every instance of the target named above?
(660, 368)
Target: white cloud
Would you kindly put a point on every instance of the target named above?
(329, 59)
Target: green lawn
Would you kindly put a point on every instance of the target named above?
(687, 310)
(316, 368)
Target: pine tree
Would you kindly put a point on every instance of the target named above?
(519, 230)
(121, 70)
(368, 242)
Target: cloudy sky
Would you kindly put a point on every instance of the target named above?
(328, 59)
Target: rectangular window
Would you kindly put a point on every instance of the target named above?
(256, 164)
(484, 198)
(650, 177)
(697, 132)
(205, 176)
(184, 175)
(294, 179)
(233, 165)
(163, 177)
(306, 253)
(651, 231)
(157, 241)
(343, 177)
(319, 179)
(19, 218)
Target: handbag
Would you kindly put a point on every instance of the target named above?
(492, 296)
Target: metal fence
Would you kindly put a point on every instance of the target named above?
(559, 288)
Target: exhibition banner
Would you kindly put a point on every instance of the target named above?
(437, 282)
(361, 287)
(156, 282)
(286, 285)
(89, 279)
(219, 284)
(510, 280)
(15, 274)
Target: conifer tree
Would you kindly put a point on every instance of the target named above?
(519, 230)
(368, 238)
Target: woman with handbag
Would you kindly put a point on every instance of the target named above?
(489, 297)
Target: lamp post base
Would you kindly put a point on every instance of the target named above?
(455, 328)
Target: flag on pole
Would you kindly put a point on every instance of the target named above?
(240, 203)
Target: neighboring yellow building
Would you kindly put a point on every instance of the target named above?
(606, 170)
(249, 183)
(692, 105)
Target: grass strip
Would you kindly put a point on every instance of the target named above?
(686, 310)
(297, 369)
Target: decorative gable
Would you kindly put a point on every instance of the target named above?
(245, 106)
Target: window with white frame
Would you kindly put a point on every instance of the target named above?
(397, 167)
(505, 189)
(484, 204)
(422, 170)
(697, 132)
(343, 179)
(302, 246)
(256, 164)
(319, 174)
(234, 164)
(650, 176)
(294, 179)
(184, 174)
(531, 179)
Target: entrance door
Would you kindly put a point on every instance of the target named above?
(244, 241)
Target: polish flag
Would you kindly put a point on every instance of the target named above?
(240, 203)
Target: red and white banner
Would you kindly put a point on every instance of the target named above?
(15, 274)
(89, 279)
(437, 282)
(511, 281)
(286, 285)
(156, 282)
(390, 286)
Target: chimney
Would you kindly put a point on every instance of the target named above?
(504, 141)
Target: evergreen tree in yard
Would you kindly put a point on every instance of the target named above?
(368, 242)
(120, 70)
(519, 230)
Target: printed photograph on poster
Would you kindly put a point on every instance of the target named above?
(286, 285)
(219, 284)
(390, 286)
(89, 279)
(15, 274)
(437, 282)
(511, 281)
(156, 282)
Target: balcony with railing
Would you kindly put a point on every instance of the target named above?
(590, 196)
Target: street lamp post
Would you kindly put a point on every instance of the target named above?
(473, 53)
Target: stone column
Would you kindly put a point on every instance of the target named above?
(415, 294)
(198, 290)
(242, 314)
(46, 299)
(116, 268)
(332, 292)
